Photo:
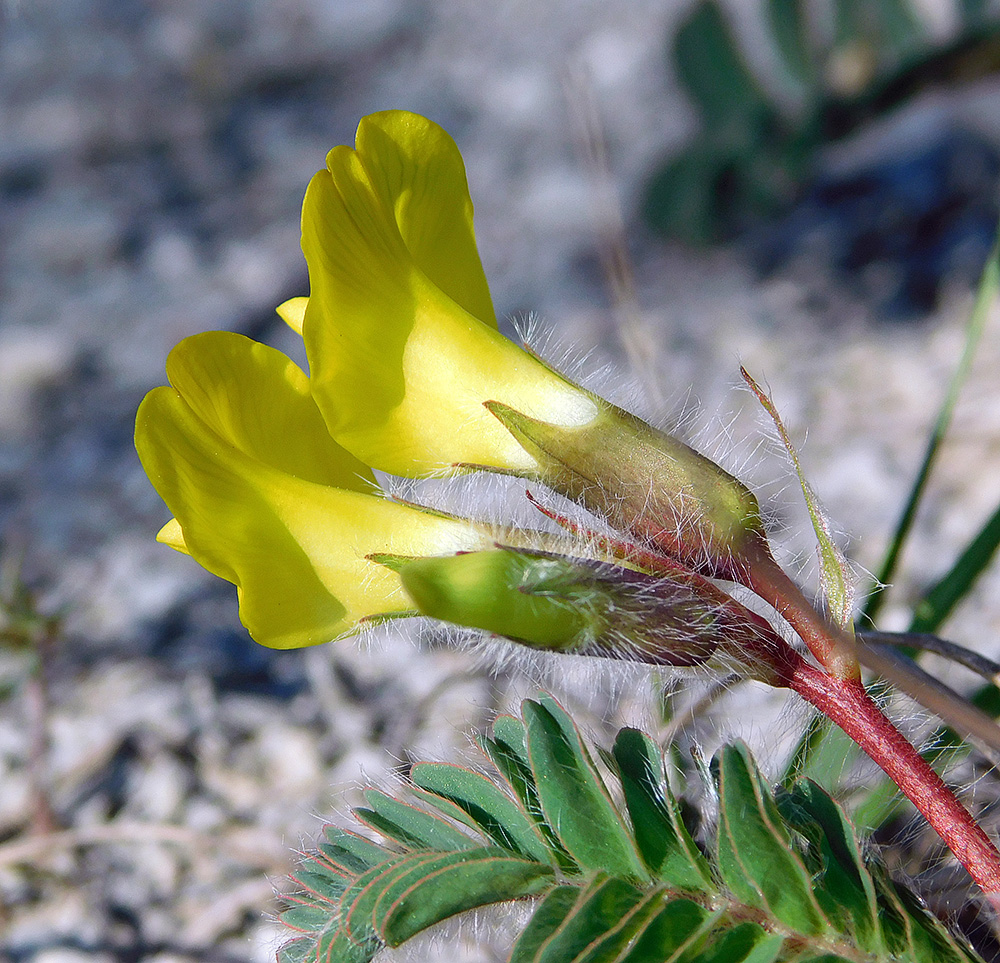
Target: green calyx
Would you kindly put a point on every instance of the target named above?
(646, 482)
(497, 591)
(587, 607)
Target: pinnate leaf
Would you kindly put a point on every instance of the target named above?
(784, 882)
(755, 856)
(490, 808)
(664, 842)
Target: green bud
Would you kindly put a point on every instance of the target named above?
(586, 607)
(646, 482)
(485, 590)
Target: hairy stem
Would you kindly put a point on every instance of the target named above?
(840, 695)
(846, 703)
(831, 645)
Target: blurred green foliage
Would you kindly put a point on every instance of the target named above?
(839, 64)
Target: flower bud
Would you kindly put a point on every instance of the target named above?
(585, 607)
(647, 482)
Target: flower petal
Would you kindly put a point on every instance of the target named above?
(419, 176)
(259, 401)
(295, 549)
(399, 368)
(171, 534)
(293, 312)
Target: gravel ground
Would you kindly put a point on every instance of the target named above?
(152, 165)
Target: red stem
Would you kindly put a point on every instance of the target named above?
(760, 572)
(846, 703)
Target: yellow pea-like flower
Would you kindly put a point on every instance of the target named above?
(414, 378)
(399, 327)
(264, 497)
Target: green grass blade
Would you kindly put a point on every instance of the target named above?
(989, 285)
(939, 602)
(838, 753)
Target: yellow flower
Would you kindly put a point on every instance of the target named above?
(263, 496)
(413, 377)
(399, 327)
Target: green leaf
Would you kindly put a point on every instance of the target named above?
(432, 801)
(755, 854)
(664, 842)
(788, 20)
(414, 828)
(573, 797)
(297, 951)
(841, 881)
(336, 946)
(509, 732)
(322, 882)
(307, 918)
(939, 602)
(622, 934)
(744, 943)
(973, 11)
(683, 200)
(713, 71)
(491, 809)
(899, 29)
(989, 286)
(515, 771)
(927, 940)
(680, 925)
(351, 852)
(835, 573)
(508, 753)
(794, 867)
(544, 922)
(359, 899)
(451, 884)
(598, 909)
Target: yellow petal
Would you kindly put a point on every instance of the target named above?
(295, 549)
(419, 175)
(259, 401)
(172, 535)
(292, 312)
(399, 368)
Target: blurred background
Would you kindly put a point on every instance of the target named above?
(675, 188)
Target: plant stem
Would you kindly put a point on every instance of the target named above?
(846, 703)
(43, 819)
(830, 645)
